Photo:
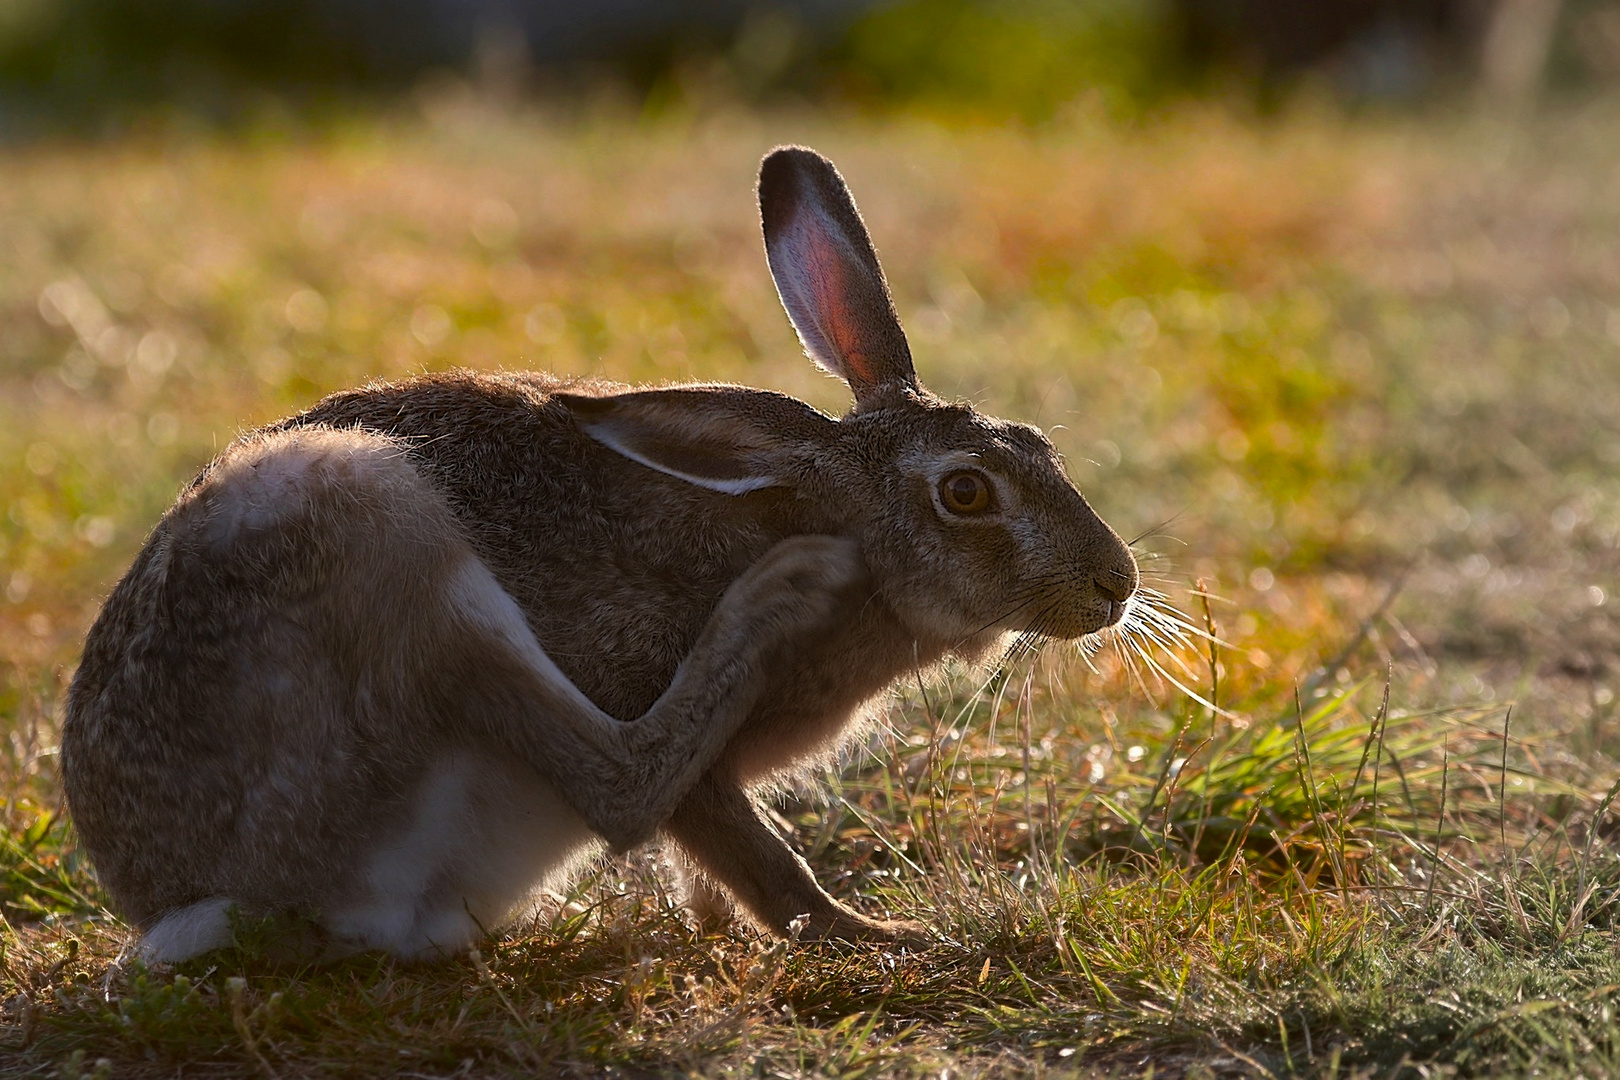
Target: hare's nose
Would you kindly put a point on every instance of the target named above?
(1114, 585)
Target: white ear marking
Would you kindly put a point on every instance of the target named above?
(604, 434)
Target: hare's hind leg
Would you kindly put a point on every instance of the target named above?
(535, 768)
(625, 779)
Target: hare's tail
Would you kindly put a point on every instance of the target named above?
(188, 931)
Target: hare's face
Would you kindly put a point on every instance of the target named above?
(978, 532)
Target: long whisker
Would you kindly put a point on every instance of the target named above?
(1153, 607)
(1153, 639)
(1158, 530)
(1133, 637)
(1159, 670)
(1129, 655)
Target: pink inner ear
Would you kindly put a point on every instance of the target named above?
(834, 307)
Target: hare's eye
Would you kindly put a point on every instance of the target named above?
(964, 492)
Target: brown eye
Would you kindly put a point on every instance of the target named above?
(965, 492)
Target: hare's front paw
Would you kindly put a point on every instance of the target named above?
(814, 563)
(847, 925)
(803, 583)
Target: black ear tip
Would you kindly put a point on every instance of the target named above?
(792, 157)
(785, 169)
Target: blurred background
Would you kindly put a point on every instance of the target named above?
(101, 63)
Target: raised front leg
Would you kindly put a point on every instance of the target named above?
(719, 827)
(625, 779)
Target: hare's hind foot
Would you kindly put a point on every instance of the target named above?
(187, 932)
(841, 924)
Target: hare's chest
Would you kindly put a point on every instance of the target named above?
(827, 695)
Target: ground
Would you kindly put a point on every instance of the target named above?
(1353, 382)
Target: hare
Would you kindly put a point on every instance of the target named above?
(398, 662)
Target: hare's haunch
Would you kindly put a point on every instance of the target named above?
(400, 662)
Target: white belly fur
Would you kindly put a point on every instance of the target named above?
(482, 838)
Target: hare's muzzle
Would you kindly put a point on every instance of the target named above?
(1115, 587)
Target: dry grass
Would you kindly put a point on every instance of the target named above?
(1348, 362)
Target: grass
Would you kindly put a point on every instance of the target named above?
(1366, 370)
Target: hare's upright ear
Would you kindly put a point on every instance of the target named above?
(723, 438)
(827, 273)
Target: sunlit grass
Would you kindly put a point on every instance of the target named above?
(1352, 384)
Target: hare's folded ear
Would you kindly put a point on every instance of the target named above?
(827, 273)
(726, 439)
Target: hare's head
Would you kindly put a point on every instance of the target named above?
(969, 525)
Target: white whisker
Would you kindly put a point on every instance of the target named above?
(1153, 638)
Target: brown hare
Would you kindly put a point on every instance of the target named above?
(399, 662)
